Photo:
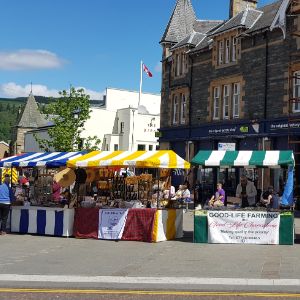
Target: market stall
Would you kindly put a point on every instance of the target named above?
(34, 211)
(250, 225)
(130, 204)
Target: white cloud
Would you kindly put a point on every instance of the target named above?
(26, 59)
(158, 67)
(12, 90)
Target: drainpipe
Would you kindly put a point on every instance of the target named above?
(265, 102)
(190, 102)
(266, 75)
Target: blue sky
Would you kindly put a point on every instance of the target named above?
(87, 43)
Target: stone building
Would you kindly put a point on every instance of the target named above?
(30, 118)
(232, 83)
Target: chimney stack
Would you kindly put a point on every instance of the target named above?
(236, 6)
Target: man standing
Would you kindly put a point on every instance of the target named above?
(246, 191)
(6, 197)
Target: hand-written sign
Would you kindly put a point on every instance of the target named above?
(247, 227)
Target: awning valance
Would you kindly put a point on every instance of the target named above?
(40, 159)
(244, 158)
(139, 159)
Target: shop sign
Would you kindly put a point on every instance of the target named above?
(230, 130)
(226, 146)
(284, 126)
(243, 227)
(112, 223)
(158, 134)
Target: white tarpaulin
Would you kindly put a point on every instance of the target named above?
(243, 227)
(112, 223)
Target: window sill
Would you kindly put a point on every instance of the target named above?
(233, 63)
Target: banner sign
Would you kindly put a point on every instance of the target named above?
(226, 146)
(112, 223)
(243, 227)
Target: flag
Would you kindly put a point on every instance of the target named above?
(288, 197)
(147, 71)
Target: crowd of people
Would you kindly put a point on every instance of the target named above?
(247, 194)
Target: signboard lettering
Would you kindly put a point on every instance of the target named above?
(247, 227)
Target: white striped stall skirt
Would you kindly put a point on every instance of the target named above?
(42, 220)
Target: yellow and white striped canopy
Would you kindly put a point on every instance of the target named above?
(140, 159)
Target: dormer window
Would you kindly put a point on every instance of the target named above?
(221, 52)
(179, 63)
(227, 51)
(233, 49)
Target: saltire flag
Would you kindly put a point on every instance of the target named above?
(147, 71)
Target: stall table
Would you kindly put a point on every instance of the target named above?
(244, 227)
(42, 220)
(249, 225)
(146, 225)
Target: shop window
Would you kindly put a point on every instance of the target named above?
(296, 91)
(150, 147)
(122, 127)
(226, 91)
(227, 51)
(233, 49)
(220, 52)
(216, 103)
(183, 109)
(236, 100)
(116, 147)
(141, 147)
(175, 110)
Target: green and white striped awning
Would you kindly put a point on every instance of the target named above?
(248, 159)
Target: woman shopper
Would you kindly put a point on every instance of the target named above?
(6, 198)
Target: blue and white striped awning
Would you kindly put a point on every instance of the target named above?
(40, 159)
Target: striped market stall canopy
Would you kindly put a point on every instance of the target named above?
(40, 159)
(139, 159)
(224, 159)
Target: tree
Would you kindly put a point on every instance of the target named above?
(68, 114)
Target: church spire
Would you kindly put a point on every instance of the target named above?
(181, 22)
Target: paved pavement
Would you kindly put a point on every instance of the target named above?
(179, 265)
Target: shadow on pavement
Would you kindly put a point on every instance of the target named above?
(187, 237)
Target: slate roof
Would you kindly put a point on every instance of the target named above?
(265, 21)
(181, 22)
(31, 116)
(193, 39)
(198, 33)
(202, 45)
(204, 26)
(244, 19)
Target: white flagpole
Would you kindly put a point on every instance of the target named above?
(141, 84)
(140, 92)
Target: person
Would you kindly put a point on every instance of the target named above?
(6, 198)
(246, 191)
(56, 189)
(185, 194)
(24, 181)
(267, 197)
(218, 198)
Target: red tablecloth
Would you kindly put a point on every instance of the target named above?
(86, 223)
(138, 227)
